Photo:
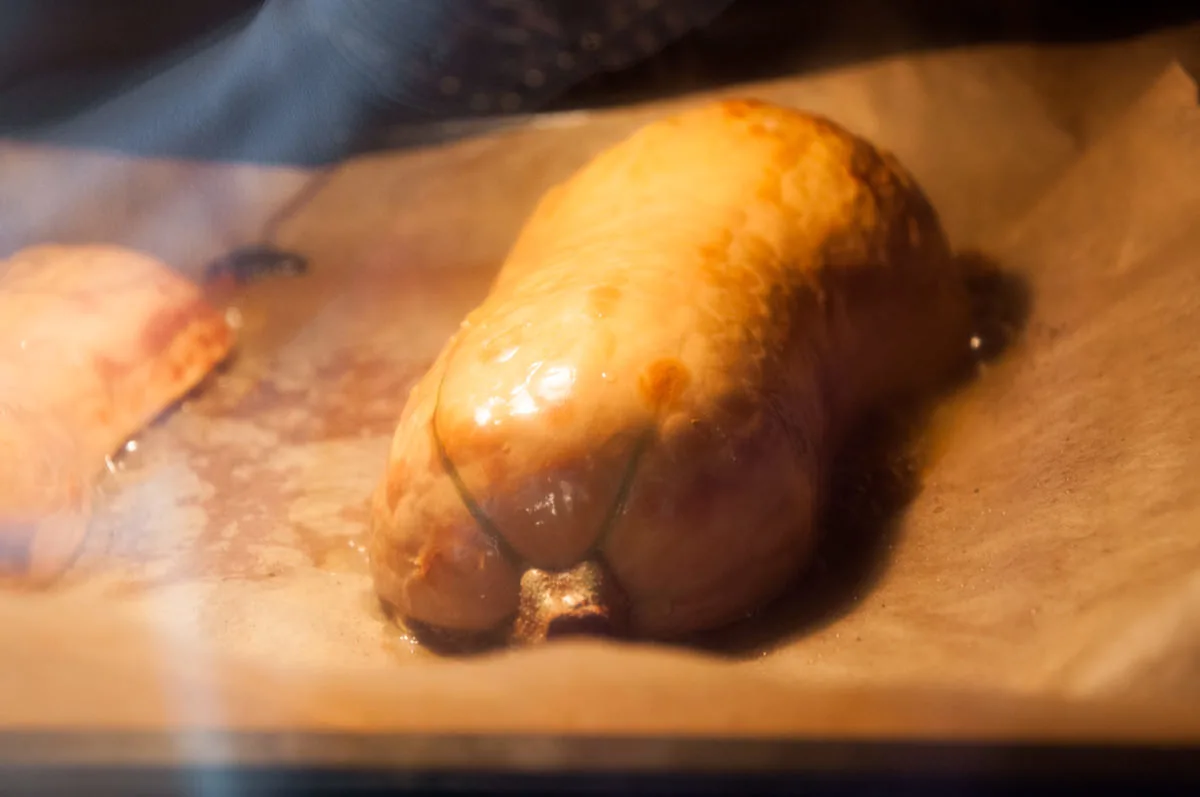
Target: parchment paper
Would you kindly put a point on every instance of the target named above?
(1048, 548)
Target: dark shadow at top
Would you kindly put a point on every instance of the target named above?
(313, 81)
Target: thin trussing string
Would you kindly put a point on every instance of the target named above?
(486, 525)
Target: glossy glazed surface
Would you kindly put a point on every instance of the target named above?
(661, 370)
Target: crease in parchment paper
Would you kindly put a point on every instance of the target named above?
(1065, 496)
(1131, 205)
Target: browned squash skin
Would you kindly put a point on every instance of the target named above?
(661, 372)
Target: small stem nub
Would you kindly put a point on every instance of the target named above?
(582, 601)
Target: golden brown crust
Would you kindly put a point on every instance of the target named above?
(669, 354)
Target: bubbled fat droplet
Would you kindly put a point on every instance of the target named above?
(522, 403)
(547, 504)
(556, 384)
(550, 385)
